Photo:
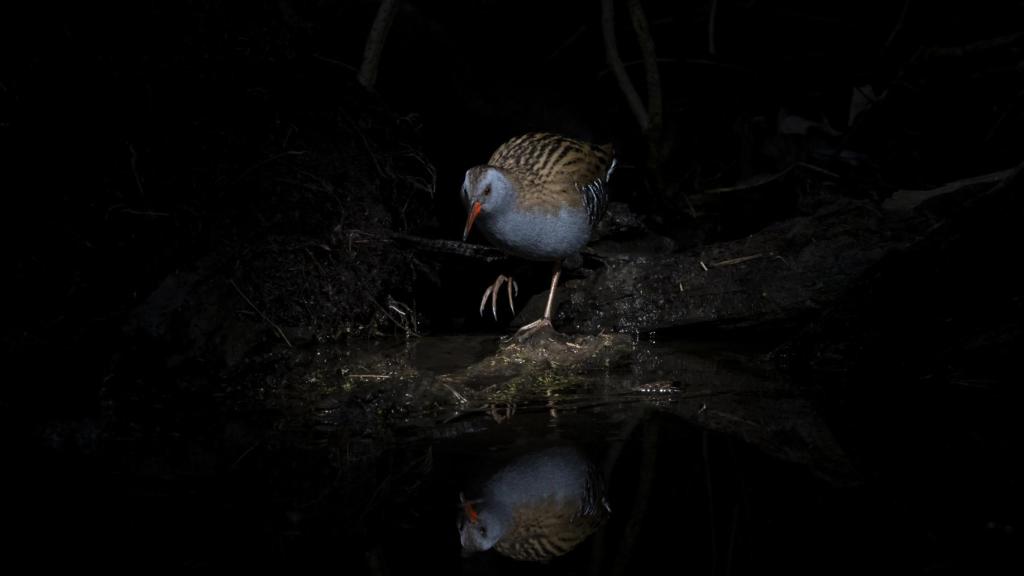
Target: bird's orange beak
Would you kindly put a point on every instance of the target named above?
(471, 512)
(473, 213)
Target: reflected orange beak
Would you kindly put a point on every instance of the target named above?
(471, 513)
(473, 213)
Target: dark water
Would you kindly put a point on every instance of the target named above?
(362, 475)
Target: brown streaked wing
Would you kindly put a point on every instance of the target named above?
(544, 531)
(551, 165)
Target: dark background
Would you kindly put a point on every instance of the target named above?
(144, 139)
(130, 129)
(135, 133)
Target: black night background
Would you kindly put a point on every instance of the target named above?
(242, 328)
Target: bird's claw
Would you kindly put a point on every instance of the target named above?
(542, 325)
(492, 292)
(500, 416)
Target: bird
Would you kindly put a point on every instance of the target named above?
(539, 506)
(538, 198)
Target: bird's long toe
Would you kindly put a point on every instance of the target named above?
(492, 293)
(541, 326)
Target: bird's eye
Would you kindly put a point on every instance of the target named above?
(487, 191)
(483, 531)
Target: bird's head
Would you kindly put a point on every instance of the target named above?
(486, 190)
(480, 528)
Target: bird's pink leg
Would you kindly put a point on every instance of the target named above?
(551, 295)
(532, 327)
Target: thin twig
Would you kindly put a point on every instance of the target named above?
(403, 325)
(373, 498)
(335, 62)
(615, 62)
(246, 453)
(899, 25)
(575, 35)
(366, 143)
(733, 261)
(906, 200)
(375, 42)
(145, 213)
(459, 397)
(262, 315)
(647, 51)
(765, 179)
(1011, 108)
(120, 209)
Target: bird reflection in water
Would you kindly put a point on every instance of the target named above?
(539, 506)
